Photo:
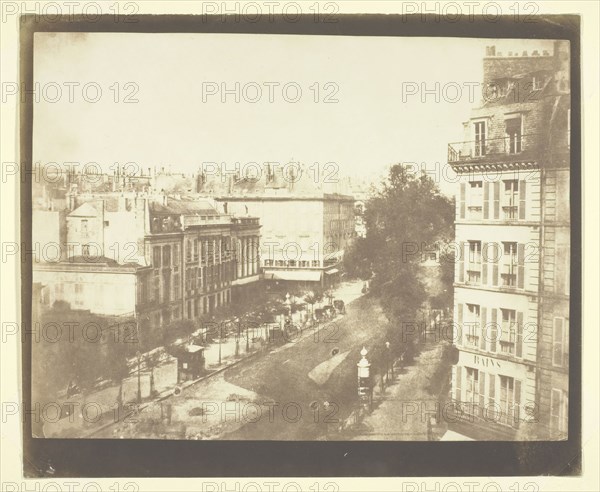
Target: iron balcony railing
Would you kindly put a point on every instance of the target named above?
(491, 147)
(200, 220)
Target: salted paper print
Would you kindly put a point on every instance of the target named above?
(263, 237)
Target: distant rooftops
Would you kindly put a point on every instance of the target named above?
(490, 51)
(183, 207)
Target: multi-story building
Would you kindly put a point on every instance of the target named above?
(157, 259)
(511, 304)
(303, 238)
(304, 228)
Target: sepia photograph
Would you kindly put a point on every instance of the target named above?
(297, 251)
(330, 238)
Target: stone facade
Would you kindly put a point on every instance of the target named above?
(154, 258)
(511, 307)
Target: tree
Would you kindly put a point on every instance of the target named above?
(115, 364)
(312, 298)
(403, 218)
(152, 360)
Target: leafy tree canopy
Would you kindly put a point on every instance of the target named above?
(404, 217)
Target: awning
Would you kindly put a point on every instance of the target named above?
(332, 271)
(298, 275)
(455, 436)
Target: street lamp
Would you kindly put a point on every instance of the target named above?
(364, 378)
(288, 304)
(237, 339)
(220, 341)
(390, 362)
(330, 296)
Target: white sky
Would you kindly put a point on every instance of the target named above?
(368, 129)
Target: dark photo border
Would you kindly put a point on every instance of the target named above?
(157, 458)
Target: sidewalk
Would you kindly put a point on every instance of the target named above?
(95, 411)
(402, 411)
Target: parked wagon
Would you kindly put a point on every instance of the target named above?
(339, 306)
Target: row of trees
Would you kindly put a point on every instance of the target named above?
(404, 217)
(72, 346)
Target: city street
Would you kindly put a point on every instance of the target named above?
(278, 395)
(284, 377)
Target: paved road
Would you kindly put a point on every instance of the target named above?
(320, 367)
(269, 396)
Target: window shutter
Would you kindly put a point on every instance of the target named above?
(517, 401)
(457, 395)
(519, 344)
(463, 191)
(496, 199)
(557, 342)
(565, 360)
(461, 262)
(483, 322)
(486, 200)
(481, 392)
(522, 195)
(494, 330)
(495, 268)
(554, 398)
(521, 265)
(484, 263)
(459, 321)
(492, 391)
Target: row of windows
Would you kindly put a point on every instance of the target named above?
(499, 200)
(194, 308)
(494, 397)
(166, 287)
(501, 333)
(505, 333)
(211, 250)
(511, 143)
(507, 258)
(293, 263)
(499, 398)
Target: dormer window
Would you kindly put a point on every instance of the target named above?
(537, 82)
(496, 90)
(492, 92)
(479, 131)
(514, 135)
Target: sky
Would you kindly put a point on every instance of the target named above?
(158, 100)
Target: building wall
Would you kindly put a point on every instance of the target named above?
(48, 235)
(290, 230)
(515, 194)
(338, 225)
(497, 66)
(106, 293)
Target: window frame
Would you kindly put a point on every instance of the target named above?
(510, 279)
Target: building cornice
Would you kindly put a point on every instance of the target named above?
(479, 166)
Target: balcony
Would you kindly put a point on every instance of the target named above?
(493, 149)
(246, 221)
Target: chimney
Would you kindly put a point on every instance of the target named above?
(546, 53)
(535, 53)
(490, 50)
(71, 200)
(525, 53)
